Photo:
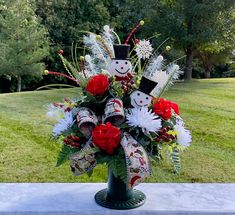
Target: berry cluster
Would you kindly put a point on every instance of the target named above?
(164, 136)
(127, 84)
(66, 109)
(72, 141)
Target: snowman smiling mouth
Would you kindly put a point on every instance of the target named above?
(138, 104)
(122, 72)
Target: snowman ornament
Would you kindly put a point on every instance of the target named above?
(120, 66)
(142, 97)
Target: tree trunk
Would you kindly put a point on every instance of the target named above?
(19, 84)
(207, 73)
(207, 67)
(189, 64)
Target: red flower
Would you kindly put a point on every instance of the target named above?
(164, 108)
(106, 137)
(98, 85)
(175, 107)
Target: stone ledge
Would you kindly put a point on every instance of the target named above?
(78, 199)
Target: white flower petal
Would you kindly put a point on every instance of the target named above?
(143, 118)
(63, 124)
(184, 137)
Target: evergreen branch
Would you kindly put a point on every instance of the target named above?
(175, 158)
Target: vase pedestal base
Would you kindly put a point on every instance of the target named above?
(137, 199)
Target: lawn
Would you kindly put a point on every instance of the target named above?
(27, 154)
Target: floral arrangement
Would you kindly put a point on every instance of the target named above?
(119, 117)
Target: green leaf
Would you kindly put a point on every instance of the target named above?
(175, 158)
(64, 154)
(90, 173)
(118, 166)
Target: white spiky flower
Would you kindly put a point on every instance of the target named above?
(184, 137)
(63, 124)
(143, 118)
(144, 49)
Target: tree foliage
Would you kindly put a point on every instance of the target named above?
(203, 30)
(23, 40)
(189, 24)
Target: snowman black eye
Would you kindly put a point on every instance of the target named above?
(147, 98)
(116, 62)
(125, 62)
(138, 94)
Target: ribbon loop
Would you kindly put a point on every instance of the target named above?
(84, 160)
(137, 162)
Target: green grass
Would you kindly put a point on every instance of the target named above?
(207, 106)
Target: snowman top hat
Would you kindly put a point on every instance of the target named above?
(121, 51)
(146, 85)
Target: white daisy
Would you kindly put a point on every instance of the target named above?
(144, 49)
(63, 124)
(143, 118)
(184, 137)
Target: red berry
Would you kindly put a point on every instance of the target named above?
(70, 136)
(168, 128)
(164, 130)
(76, 138)
(61, 52)
(68, 109)
(137, 41)
(157, 139)
(129, 75)
(66, 141)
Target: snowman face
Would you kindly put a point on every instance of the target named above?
(120, 68)
(140, 99)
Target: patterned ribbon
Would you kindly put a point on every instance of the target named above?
(114, 112)
(84, 160)
(137, 162)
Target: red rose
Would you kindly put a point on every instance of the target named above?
(164, 108)
(175, 107)
(106, 137)
(98, 85)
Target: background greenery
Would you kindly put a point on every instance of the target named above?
(27, 154)
(202, 30)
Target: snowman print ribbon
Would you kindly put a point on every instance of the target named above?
(84, 160)
(137, 162)
(114, 112)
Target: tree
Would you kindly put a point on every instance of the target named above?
(214, 54)
(220, 50)
(67, 21)
(188, 23)
(23, 40)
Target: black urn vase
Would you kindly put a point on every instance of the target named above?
(117, 196)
